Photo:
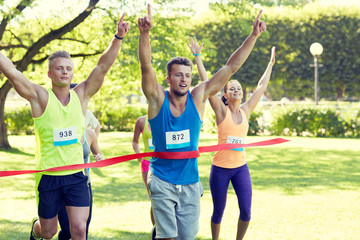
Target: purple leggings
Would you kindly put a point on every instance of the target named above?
(219, 183)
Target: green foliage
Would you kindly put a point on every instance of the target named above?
(287, 120)
(19, 121)
(353, 124)
(254, 128)
(292, 31)
(120, 119)
(281, 2)
(308, 121)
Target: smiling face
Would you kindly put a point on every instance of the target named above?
(61, 71)
(233, 91)
(179, 79)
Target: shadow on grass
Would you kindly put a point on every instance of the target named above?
(11, 230)
(116, 234)
(294, 170)
(297, 169)
(119, 191)
(16, 151)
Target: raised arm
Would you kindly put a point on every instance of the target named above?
(196, 51)
(139, 128)
(250, 104)
(216, 104)
(35, 94)
(235, 61)
(92, 84)
(152, 90)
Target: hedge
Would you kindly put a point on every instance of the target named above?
(313, 121)
(295, 120)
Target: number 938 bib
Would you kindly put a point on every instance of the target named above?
(65, 136)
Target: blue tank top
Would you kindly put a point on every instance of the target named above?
(176, 134)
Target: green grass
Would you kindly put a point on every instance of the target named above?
(307, 188)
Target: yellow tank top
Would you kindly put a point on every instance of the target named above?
(230, 132)
(58, 133)
(147, 138)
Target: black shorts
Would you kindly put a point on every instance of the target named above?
(72, 190)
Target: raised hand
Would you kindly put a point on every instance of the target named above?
(194, 47)
(272, 57)
(145, 23)
(259, 26)
(122, 27)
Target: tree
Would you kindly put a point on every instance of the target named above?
(292, 31)
(31, 50)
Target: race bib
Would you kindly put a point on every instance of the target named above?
(231, 139)
(151, 146)
(178, 139)
(65, 136)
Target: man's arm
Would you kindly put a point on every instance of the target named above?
(235, 61)
(94, 145)
(92, 84)
(250, 105)
(91, 120)
(35, 94)
(152, 90)
(97, 129)
(139, 128)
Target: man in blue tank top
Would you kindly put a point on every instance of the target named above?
(176, 117)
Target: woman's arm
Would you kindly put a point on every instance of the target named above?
(250, 105)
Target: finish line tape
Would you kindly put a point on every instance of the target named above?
(166, 155)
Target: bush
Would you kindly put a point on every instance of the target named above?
(19, 121)
(308, 121)
(254, 128)
(353, 126)
(120, 119)
(287, 120)
(209, 121)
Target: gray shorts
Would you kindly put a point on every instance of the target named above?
(176, 208)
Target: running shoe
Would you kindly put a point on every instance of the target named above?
(32, 237)
(153, 233)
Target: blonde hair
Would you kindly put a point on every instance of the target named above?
(58, 54)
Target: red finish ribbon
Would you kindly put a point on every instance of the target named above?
(166, 155)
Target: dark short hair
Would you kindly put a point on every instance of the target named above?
(178, 60)
(58, 54)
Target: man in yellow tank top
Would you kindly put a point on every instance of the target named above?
(59, 124)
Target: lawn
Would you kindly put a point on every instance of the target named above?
(307, 188)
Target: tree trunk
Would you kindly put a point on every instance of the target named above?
(339, 92)
(4, 90)
(31, 52)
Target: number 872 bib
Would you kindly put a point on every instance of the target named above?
(179, 139)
